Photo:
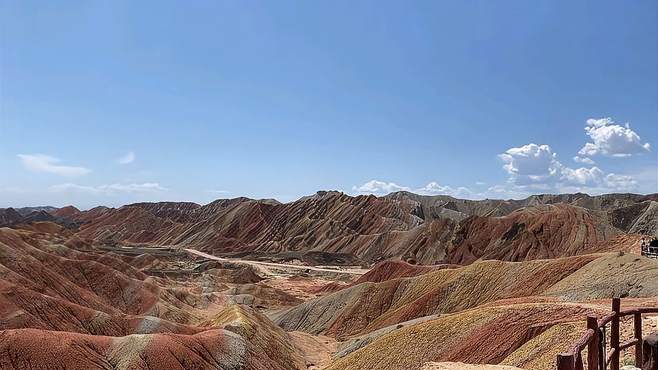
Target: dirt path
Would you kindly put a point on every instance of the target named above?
(338, 270)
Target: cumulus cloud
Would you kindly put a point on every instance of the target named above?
(147, 187)
(583, 160)
(127, 158)
(610, 139)
(530, 164)
(582, 176)
(536, 167)
(48, 164)
(379, 187)
(595, 180)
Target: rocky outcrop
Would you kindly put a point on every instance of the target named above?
(646, 222)
(545, 231)
(66, 212)
(9, 216)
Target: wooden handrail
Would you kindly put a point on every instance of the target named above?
(583, 341)
(628, 345)
(637, 329)
(642, 310)
(594, 339)
(606, 319)
(614, 335)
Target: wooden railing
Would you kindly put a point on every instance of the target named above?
(595, 341)
(649, 253)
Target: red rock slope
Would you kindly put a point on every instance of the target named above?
(74, 309)
(374, 229)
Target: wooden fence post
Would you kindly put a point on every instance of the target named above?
(566, 361)
(594, 345)
(602, 349)
(637, 323)
(614, 335)
(650, 353)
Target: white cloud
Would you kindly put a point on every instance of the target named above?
(536, 168)
(608, 183)
(218, 191)
(147, 187)
(589, 149)
(610, 139)
(505, 192)
(620, 182)
(127, 158)
(433, 188)
(48, 164)
(582, 176)
(583, 160)
(530, 164)
(379, 188)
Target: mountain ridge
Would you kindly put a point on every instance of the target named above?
(402, 225)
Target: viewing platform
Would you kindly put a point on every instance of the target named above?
(602, 341)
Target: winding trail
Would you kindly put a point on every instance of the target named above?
(278, 265)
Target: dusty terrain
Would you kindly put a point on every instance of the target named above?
(124, 307)
(326, 282)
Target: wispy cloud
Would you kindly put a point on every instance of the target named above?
(127, 158)
(147, 187)
(48, 164)
(218, 191)
(583, 160)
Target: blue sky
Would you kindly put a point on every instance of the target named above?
(116, 102)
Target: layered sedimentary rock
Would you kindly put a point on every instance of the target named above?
(331, 227)
(414, 228)
(509, 281)
(85, 308)
(370, 306)
(545, 231)
(489, 312)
